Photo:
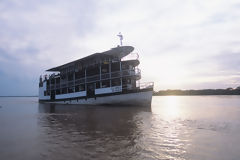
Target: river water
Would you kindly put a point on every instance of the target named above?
(175, 127)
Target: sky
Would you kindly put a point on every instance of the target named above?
(187, 44)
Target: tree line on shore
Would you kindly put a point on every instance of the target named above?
(228, 91)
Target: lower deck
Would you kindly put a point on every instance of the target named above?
(137, 97)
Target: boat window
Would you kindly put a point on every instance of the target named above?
(78, 67)
(70, 76)
(70, 69)
(93, 71)
(105, 83)
(116, 82)
(52, 81)
(62, 76)
(97, 85)
(58, 80)
(129, 81)
(80, 74)
(115, 66)
(105, 68)
(70, 90)
(64, 90)
(57, 91)
(131, 67)
(82, 87)
(77, 88)
(124, 66)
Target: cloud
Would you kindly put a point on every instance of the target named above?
(228, 61)
(179, 42)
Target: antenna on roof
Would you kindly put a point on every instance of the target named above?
(121, 37)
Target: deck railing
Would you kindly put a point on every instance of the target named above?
(89, 79)
(146, 85)
(139, 86)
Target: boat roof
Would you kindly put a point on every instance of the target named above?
(117, 52)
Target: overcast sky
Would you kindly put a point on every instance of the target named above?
(182, 44)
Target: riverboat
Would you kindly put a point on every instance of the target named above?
(106, 78)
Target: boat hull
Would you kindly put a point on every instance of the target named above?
(136, 99)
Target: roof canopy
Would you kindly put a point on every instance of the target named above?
(118, 52)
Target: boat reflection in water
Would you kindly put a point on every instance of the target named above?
(89, 132)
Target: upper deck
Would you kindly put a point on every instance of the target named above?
(115, 54)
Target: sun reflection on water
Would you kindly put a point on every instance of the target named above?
(168, 136)
(172, 108)
(168, 107)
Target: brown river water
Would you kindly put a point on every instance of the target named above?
(173, 128)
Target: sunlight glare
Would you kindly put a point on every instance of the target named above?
(172, 109)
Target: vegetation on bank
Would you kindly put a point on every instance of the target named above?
(228, 91)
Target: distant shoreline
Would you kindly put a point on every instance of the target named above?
(197, 95)
(18, 96)
(178, 92)
(228, 91)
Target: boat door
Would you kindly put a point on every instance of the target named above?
(91, 90)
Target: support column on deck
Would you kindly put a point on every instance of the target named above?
(110, 73)
(74, 80)
(67, 81)
(50, 91)
(60, 87)
(100, 73)
(85, 79)
(55, 85)
(120, 63)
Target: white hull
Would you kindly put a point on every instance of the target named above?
(139, 98)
